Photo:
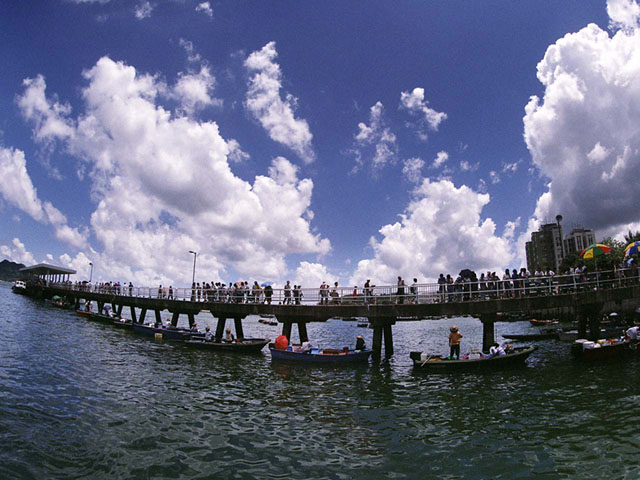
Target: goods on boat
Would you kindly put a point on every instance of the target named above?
(319, 355)
(171, 333)
(424, 361)
(241, 345)
(572, 335)
(123, 323)
(587, 350)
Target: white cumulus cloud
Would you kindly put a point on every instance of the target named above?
(162, 185)
(582, 134)
(276, 115)
(415, 103)
(205, 8)
(441, 231)
(375, 143)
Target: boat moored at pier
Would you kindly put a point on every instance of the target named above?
(319, 355)
(438, 363)
(241, 345)
(170, 333)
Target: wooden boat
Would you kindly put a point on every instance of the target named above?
(437, 363)
(363, 324)
(536, 323)
(546, 334)
(585, 350)
(171, 333)
(242, 345)
(320, 355)
(83, 313)
(19, 287)
(268, 322)
(101, 317)
(573, 335)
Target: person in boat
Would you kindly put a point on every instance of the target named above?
(306, 347)
(208, 335)
(169, 324)
(194, 328)
(228, 336)
(496, 351)
(360, 344)
(632, 334)
(158, 324)
(454, 342)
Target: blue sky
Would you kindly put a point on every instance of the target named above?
(311, 141)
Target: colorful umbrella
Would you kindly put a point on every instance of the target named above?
(595, 250)
(632, 249)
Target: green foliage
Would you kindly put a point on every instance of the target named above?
(631, 237)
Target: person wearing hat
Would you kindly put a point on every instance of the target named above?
(208, 335)
(228, 337)
(360, 345)
(454, 342)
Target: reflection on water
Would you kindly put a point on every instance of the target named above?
(82, 399)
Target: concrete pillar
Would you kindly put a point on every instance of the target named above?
(286, 330)
(220, 328)
(377, 342)
(158, 316)
(388, 341)
(192, 319)
(143, 313)
(100, 305)
(582, 324)
(237, 322)
(174, 319)
(488, 330)
(133, 314)
(594, 326)
(302, 330)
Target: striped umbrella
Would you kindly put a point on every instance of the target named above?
(632, 249)
(595, 250)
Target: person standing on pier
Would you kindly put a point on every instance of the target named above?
(287, 293)
(400, 292)
(454, 342)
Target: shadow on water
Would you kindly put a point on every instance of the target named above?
(84, 400)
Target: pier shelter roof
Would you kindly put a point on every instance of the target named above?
(44, 269)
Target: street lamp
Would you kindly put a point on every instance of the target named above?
(91, 273)
(195, 254)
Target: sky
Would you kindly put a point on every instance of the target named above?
(312, 141)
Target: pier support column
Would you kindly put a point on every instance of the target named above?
(119, 311)
(388, 341)
(191, 318)
(100, 305)
(286, 330)
(174, 319)
(237, 322)
(158, 316)
(143, 313)
(77, 303)
(377, 342)
(488, 330)
(133, 314)
(582, 324)
(220, 328)
(302, 330)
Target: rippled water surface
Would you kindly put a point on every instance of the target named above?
(84, 400)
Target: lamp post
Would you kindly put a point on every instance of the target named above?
(193, 278)
(91, 273)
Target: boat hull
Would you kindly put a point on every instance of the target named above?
(167, 333)
(606, 351)
(352, 356)
(548, 335)
(246, 345)
(437, 364)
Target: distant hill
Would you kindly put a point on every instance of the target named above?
(9, 271)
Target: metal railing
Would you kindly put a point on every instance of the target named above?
(378, 295)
